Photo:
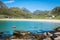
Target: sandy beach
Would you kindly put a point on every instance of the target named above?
(43, 20)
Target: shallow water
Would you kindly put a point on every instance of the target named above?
(27, 26)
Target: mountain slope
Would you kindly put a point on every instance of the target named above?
(2, 5)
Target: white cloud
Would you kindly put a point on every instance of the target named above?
(10, 1)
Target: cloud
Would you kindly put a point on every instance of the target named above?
(10, 1)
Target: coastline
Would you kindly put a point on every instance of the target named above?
(42, 20)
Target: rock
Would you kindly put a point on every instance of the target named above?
(57, 29)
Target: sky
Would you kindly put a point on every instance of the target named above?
(33, 5)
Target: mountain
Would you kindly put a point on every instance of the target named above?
(3, 9)
(38, 12)
(2, 5)
(25, 10)
(18, 13)
(56, 11)
(13, 12)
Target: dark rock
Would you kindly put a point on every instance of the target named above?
(57, 29)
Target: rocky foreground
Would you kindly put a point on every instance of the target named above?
(24, 35)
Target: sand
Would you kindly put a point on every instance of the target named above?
(42, 20)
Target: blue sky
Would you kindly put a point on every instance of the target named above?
(33, 5)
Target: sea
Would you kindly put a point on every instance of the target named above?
(31, 26)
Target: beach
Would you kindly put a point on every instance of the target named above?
(42, 20)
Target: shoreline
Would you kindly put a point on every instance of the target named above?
(41, 20)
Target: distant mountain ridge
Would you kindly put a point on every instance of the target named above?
(39, 12)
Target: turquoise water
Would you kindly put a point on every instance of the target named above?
(27, 26)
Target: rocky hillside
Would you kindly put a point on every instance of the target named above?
(13, 12)
(56, 11)
(2, 5)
